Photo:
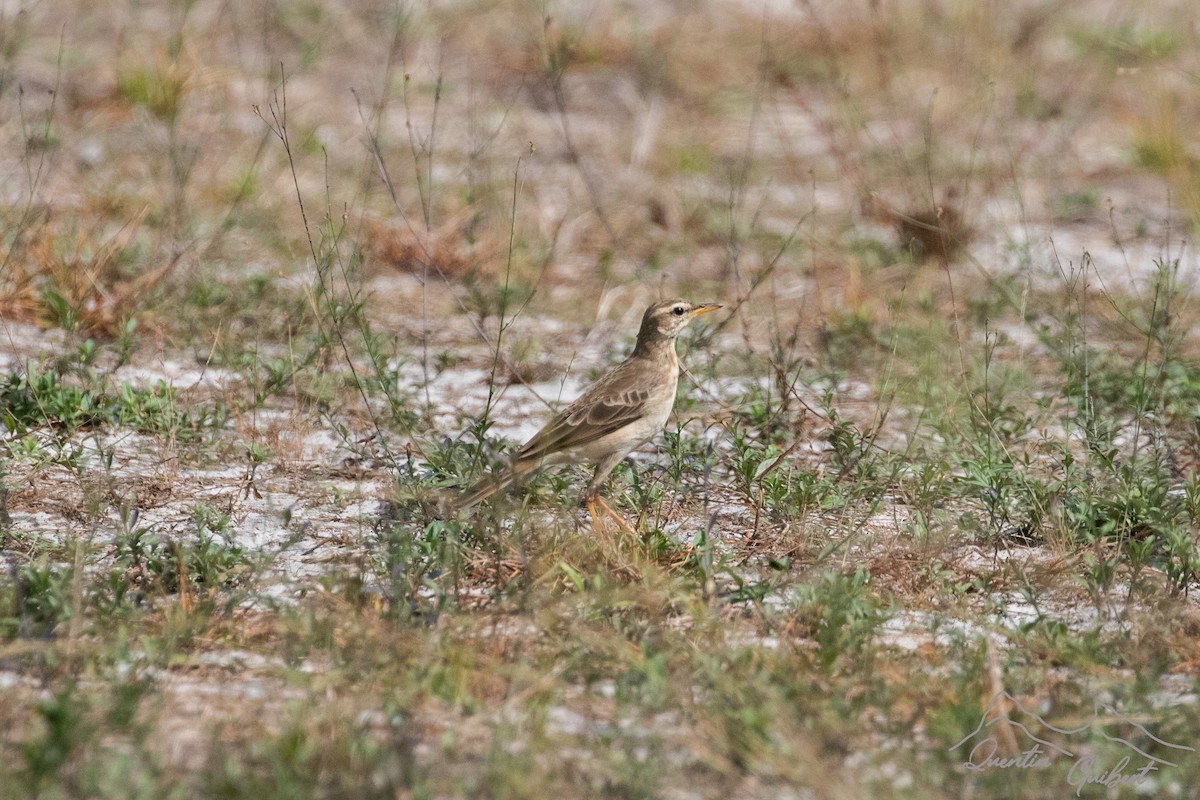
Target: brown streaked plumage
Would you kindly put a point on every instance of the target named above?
(619, 412)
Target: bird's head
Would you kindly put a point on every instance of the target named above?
(666, 319)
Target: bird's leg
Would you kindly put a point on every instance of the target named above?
(607, 509)
(603, 468)
(597, 524)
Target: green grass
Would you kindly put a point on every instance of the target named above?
(35, 399)
(333, 235)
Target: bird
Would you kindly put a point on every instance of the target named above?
(619, 412)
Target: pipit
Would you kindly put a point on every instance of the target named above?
(617, 413)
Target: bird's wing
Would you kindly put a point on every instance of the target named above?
(608, 406)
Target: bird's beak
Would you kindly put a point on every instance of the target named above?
(704, 309)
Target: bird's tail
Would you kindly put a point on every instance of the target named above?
(498, 482)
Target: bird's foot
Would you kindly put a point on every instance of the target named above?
(597, 523)
(594, 501)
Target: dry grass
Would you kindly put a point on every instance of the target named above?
(943, 446)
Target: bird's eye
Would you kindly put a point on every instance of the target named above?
(678, 311)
